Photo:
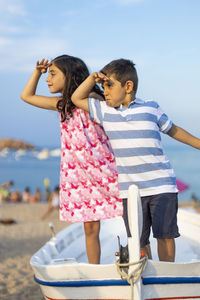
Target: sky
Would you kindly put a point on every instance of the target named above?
(160, 36)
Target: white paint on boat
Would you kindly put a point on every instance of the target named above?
(63, 261)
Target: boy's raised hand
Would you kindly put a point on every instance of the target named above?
(100, 77)
(43, 65)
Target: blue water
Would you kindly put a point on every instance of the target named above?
(186, 163)
(30, 171)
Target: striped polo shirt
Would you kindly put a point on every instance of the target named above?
(134, 134)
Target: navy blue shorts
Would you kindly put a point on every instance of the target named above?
(160, 213)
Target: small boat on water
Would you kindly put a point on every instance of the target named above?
(62, 271)
(43, 154)
(4, 152)
(20, 152)
(55, 152)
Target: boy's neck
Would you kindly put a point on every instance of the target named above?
(127, 101)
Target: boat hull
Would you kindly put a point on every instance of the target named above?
(61, 278)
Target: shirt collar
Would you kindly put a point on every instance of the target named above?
(136, 101)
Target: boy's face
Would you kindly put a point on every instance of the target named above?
(115, 94)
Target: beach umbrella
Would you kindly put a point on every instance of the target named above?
(181, 185)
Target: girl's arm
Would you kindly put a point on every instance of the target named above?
(28, 93)
(81, 94)
(183, 136)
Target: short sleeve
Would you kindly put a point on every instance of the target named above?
(164, 123)
(95, 110)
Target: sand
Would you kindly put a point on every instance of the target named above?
(18, 242)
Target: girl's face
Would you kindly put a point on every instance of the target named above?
(55, 80)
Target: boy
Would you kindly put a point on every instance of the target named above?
(133, 127)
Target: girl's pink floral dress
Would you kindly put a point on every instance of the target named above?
(88, 177)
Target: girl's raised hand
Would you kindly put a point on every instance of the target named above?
(43, 65)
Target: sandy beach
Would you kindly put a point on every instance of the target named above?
(18, 242)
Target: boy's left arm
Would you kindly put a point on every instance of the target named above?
(183, 136)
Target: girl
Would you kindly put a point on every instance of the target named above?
(88, 177)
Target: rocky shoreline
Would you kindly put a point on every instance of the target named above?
(15, 144)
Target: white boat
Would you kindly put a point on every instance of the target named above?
(4, 152)
(62, 271)
(43, 154)
(20, 152)
(55, 152)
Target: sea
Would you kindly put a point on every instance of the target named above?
(31, 168)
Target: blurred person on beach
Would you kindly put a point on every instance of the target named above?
(53, 203)
(88, 177)
(47, 189)
(5, 191)
(26, 194)
(133, 127)
(15, 197)
(37, 197)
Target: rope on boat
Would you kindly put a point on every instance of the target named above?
(134, 275)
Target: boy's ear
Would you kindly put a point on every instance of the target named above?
(129, 86)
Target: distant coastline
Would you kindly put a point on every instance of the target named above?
(15, 144)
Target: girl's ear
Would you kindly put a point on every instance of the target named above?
(129, 86)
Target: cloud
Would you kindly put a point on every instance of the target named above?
(10, 29)
(127, 2)
(4, 42)
(13, 7)
(22, 54)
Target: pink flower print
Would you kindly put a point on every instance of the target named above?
(94, 143)
(111, 173)
(85, 118)
(77, 206)
(87, 159)
(102, 153)
(99, 202)
(71, 165)
(63, 188)
(107, 188)
(96, 176)
(112, 179)
(74, 186)
(86, 194)
(87, 176)
(79, 147)
(82, 164)
(68, 159)
(68, 146)
(76, 125)
(78, 142)
(114, 189)
(102, 162)
(84, 182)
(87, 203)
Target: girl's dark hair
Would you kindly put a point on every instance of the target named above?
(75, 71)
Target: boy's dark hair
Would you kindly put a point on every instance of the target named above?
(75, 72)
(123, 70)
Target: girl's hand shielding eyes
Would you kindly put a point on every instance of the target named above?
(43, 65)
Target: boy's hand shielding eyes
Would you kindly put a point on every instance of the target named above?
(101, 78)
